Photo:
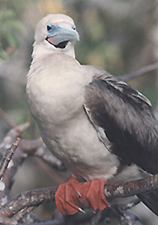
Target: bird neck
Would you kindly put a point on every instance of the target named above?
(41, 51)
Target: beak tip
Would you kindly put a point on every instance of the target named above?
(78, 37)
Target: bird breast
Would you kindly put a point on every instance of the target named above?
(53, 92)
(56, 99)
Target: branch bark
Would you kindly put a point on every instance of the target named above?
(8, 157)
(38, 196)
(28, 199)
(14, 210)
(131, 188)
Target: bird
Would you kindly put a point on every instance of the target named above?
(101, 128)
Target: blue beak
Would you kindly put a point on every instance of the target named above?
(61, 32)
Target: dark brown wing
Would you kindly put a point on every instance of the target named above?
(127, 119)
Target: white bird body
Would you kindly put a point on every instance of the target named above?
(61, 117)
(97, 125)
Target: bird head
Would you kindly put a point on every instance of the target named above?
(56, 33)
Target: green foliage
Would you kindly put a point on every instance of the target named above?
(10, 29)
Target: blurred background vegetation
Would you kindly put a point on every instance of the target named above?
(119, 35)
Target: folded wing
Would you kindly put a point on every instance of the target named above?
(127, 119)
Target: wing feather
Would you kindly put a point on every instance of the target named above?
(127, 119)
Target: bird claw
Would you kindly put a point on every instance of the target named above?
(81, 210)
(69, 196)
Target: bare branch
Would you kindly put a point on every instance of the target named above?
(11, 137)
(36, 197)
(6, 119)
(21, 128)
(24, 149)
(131, 188)
(10, 166)
(38, 148)
(28, 199)
(140, 72)
(8, 157)
(24, 203)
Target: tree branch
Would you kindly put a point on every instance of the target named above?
(38, 196)
(131, 188)
(14, 210)
(6, 119)
(28, 199)
(140, 72)
(8, 157)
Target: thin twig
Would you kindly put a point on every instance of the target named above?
(37, 148)
(8, 157)
(9, 172)
(6, 119)
(21, 128)
(140, 72)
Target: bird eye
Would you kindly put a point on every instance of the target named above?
(73, 27)
(49, 27)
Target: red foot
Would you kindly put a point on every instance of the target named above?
(69, 196)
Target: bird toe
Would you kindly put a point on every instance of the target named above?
(70, 196)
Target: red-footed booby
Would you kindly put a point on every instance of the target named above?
(101, 128)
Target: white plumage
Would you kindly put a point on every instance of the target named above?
(69, 110)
